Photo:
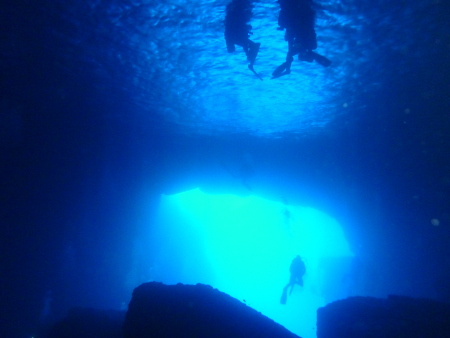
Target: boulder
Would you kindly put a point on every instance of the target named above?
(396, 316)
(158, 310)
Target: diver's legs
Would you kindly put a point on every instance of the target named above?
(292, 282)
(252, 51)
(310, 56)
(292, 289)
(230, 46)
(289, 60)
(284, 68)
(283, 298)
(306, 55)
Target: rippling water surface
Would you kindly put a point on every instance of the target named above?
(171, 58)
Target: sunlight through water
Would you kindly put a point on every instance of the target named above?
(244, 246)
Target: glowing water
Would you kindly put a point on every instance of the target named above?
(244, 245)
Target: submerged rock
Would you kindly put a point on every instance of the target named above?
(158, 310)
(396, 316)
(89, 323)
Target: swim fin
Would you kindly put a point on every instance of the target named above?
(283, 299)
(250, 66)
(280, 71)
(307, 56)
(253, 52)
(321, 60)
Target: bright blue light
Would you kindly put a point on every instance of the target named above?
(244, 245)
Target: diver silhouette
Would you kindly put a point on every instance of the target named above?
(238, 31)
(298, 18)
(297, 270)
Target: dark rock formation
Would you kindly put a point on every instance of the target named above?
(396, 316)
(158, 310)
(89, 323)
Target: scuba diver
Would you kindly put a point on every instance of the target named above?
(297, 17)
(238, 31)
(297, 270)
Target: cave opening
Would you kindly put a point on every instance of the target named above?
(243, 246)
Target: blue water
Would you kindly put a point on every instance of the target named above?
(170, 57)
(110, 111)
(244, 245)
